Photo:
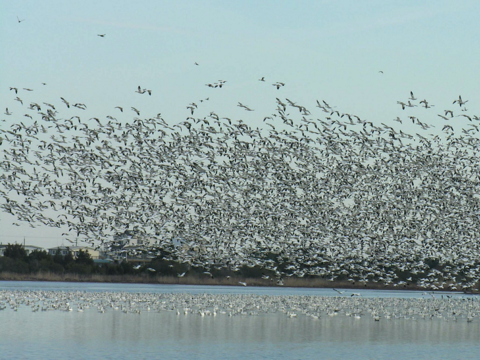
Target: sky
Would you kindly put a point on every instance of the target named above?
(360, 56)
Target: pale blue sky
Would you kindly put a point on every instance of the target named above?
(330, 50)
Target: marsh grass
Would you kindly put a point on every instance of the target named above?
(195, 280)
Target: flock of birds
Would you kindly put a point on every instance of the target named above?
(183, 304)
(315, 192)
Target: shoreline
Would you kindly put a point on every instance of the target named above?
(192, 280)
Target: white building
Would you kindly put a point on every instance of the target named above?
(64, 250)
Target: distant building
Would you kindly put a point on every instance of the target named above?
(64, 250)
(130, 246)
(129, 237)
(30, 248)
(95, 254)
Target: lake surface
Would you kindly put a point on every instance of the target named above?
(152, 334)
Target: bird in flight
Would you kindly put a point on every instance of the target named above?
(460, 101)
(65, 102)
(143, 91)
(101, 35)
(19, 21)
(244, 106)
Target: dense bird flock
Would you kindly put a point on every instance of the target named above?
(311, 191)
(450, 308)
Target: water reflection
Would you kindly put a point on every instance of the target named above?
(166, 328)
(59, 334)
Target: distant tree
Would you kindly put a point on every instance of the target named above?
(84, 257)
(39, 260)
(15, 251)
(432, 262)
(77, 268)
(68, 258)
(63, 260)
(39, 255)
(15, 259)
(58, 257)
(108, 269)
(251, 272)
(6, 263)
(56, 268)
(125, 268)
(164, 267)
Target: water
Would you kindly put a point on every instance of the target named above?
(165, 335)
(201, 289)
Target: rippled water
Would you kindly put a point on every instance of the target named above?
(164, 335)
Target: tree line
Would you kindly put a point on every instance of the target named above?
(16, 260)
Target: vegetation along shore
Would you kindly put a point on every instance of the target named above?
(16, 265)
